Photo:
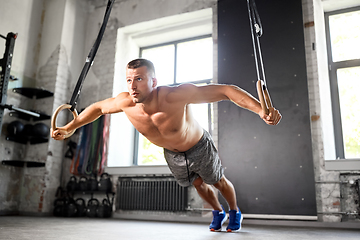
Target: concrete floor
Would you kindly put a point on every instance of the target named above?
(44, 228)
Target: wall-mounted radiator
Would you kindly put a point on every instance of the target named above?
(151, 194)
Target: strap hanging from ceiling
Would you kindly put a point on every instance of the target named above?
(88, 63)
(256, 33)
(90, 58)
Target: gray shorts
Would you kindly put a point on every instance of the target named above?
(202, 161)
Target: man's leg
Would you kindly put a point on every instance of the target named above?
(207, 193)
(227, 190)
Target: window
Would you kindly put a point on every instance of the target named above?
(130, 39)
(343, 40)
(177, 62)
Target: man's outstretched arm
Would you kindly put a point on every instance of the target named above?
(217, 92)
(90, 114)
(245, 100)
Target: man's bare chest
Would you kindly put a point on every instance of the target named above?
(159, 124)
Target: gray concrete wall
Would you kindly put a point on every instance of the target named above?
(24, 18)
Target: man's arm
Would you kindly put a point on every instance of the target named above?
(90, 114)
(190, 93)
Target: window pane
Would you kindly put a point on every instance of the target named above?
(194, 60)
(345, 36)
(349, 85)
(201, 114)
(188, 69)
(163, 59)
(149, 154)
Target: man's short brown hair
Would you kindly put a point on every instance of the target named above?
(142, 62)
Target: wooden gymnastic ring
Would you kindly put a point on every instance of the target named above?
(264, 96)
(54, 116)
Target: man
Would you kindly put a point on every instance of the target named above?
(162, 115)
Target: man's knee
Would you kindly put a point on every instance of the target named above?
(198, 182)
(223, 182)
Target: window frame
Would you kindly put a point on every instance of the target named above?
(206, 81)
(333, 67)
(175, 43)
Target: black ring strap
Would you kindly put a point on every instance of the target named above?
(256, 33)
(90, 57)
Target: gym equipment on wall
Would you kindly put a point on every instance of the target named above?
(81, 206)
(89, 61)
(70, 208)
(105, 183)
(83, 184)
(71, 145)
(92, 183)
(59, 203)
(90, 155)
(256, 33)
(5, 64)
(72, 185)
(92, 208)
(40, 130)
(16, 130)
(66, 205)
(105, 209)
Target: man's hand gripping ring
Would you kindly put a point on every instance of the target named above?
(54, 116)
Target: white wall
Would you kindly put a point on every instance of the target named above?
(332, 5)
(24, 18)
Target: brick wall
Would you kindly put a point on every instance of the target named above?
(326, 194)
(328, 187)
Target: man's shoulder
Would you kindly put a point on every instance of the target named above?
(176, 88)
(123, 99)
(178, 93)
(122, 96)
(165, 91)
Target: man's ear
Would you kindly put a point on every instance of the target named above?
(154, 82)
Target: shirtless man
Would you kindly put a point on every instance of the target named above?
(162, 115)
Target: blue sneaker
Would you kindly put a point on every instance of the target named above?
(235, 220)
(218, 220)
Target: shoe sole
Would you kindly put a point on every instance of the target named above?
(222, 222)
(236, 230)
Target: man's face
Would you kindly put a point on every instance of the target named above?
(140, 83)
